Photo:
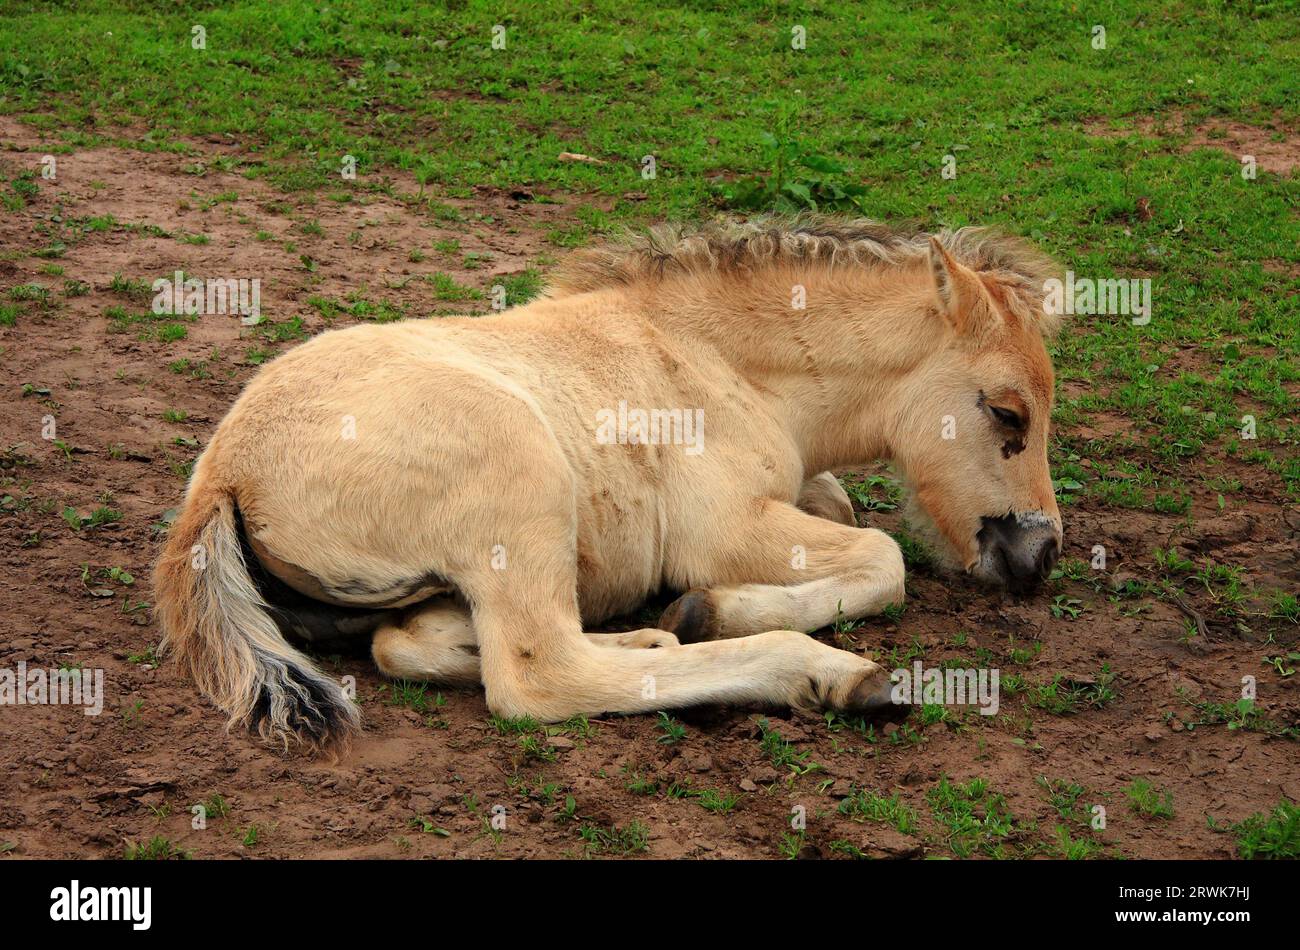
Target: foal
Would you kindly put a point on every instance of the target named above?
(471, 492)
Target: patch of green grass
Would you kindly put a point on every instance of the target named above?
(446, 288)
(148, 655)
(536, 748)
(864, 805)
(444, 212)
(1064, 797)
(157, 848)
(1076, 849)
(1241, 715)
(98, 518)
(22, 189)
(284, 331)
(328, 309)
(1063, 697)
(902, 657)
(782, 753)
(639, 784)
(570, 236)
(1284, 664)
(152, 326)
(522, 287)
(580, 727)
(790, 845)
(568, 810)
(673, 731)
(1268, 835)
(413, 696)
(860, 725)
(916, 555)
(715, 800)
(848, 848)
(429, 827)
(975, 819)
(1145, 799)
(170, 332)
(215, 806)
(515, 726)
(1022, 656)
(795, 178)
(363, 309)
(632, 838)
(29, 292)
(137, 290)
(1285, 606)
(1063, 606)
(187, 367)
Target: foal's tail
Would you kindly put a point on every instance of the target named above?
(215, 622)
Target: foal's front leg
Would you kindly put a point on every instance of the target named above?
(794, 570)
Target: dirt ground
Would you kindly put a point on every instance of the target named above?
(1275, 149)
(426, 780)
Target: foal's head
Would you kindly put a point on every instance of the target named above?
(977, 417)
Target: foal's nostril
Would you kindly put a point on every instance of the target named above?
(1047, 557)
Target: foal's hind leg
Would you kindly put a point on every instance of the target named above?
(800, 571)
(824, 496)
(433, 642)
(436, 642)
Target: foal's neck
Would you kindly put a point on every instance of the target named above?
(832, 346)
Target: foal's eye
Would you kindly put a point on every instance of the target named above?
(1007, 417)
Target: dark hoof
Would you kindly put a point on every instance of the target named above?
(873, 696)
(691, 617)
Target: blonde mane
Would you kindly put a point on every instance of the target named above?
(729, 246)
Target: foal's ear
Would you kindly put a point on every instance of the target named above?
(961, 293)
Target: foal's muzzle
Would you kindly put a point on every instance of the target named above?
(1018, 551)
